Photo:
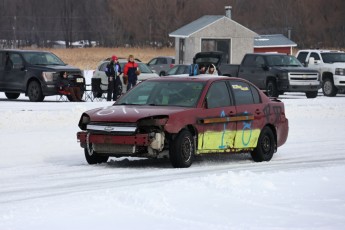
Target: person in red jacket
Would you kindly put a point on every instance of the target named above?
(130, 72)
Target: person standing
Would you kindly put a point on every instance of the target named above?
(131, 72)
(113, 71)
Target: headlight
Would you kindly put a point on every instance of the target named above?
(339, 71)
(48, 76)
(84, 120)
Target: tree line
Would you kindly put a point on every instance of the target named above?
(112, 23)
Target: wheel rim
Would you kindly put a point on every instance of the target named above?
(187, 149)
(270, 90)
(327, 87)
(89, 145)
(266, 145)
(34, 91)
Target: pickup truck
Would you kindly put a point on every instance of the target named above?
(331, 66)
(273, 73)
(35, 73)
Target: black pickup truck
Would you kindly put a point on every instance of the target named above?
(35, 73)
(273, 73)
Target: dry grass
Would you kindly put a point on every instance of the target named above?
(88, 58)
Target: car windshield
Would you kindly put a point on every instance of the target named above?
(142, 66)
(43, 58)
(283, 60)
(333, 57)
(164, 93)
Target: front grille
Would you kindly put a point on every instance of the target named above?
(112, 128)
(303, 76)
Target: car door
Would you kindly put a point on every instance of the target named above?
(249, 112)
(216, 130)
(252, 70)
(14, 74)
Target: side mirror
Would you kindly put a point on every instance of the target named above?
(265, 67)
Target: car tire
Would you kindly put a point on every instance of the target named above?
(312, 94)
(271, 89)
(92, 157)
(12, 96)
(266, 146)
(328, 88)
(182, 150)
(35, 92)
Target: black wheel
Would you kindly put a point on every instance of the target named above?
(92, 157)
(35, 92)
(328, 88)
(181, 150)
(271, 89)
(311, 94)
(266, 146)
(12, 95)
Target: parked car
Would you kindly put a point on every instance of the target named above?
(274, 73)
(181, 117)
(161, 64)
(35, 73)
(331, 66)
(181, 69)
(145, 74)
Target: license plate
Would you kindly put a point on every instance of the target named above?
(80, 80)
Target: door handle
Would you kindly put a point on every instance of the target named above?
(257, 112)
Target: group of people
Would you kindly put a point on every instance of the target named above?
(113, 71)
(211, 69)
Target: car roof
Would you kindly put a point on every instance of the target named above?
(321, 51)
(268, 54)
(122, 58)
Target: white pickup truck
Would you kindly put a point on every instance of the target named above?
(331, 66)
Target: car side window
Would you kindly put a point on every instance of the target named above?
(182, 70)
(17, 61)
(161, 61)
(259, 61)
(244, 93)
(218, 95)
(302, 57)
(249, 60)
(316, 56)
(173, 70)
(103, 66)
(153, 62)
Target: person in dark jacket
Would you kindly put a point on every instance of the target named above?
(113, 72)
(67, 86)
(130, 72)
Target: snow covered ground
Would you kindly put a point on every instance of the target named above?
(45, 183)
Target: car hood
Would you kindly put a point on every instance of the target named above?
(131, 113)
(67, 68)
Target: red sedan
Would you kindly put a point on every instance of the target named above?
(180, 117)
